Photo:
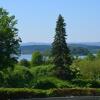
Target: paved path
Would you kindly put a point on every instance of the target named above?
(68, 98)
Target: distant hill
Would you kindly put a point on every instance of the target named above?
(34, 43)
(91, 43)
(76, 48)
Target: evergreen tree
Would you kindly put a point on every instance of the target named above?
(60, 51)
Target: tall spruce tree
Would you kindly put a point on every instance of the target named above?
(60, 50)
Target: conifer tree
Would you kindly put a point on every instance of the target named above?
(60, 50)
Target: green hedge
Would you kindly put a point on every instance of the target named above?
(16, 93)
(74, 92)
(86, 83)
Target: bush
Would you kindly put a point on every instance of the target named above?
(90, 56)
(24, 62)
(95, 84)
(1, 79)
(81, 83)
(86, 83)
(51, 82)
(98, 55)
(37, 58)
(19, 78)
(42, 70)
(89, 69)
(44, 84)
(73, 92)
(67, 73)
(26, 93)
(20, 93)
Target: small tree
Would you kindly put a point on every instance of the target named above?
(90, 56)
(60, 51)
(37, 58)
(9, 40)
(24, 62)
(98, 55)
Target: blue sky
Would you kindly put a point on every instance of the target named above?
(37, 19)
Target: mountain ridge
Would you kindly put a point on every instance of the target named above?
(80, 43)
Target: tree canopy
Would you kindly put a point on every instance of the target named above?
(9, 40)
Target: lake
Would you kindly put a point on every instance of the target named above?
(25, 56)
(28, 56)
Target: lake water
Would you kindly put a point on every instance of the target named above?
(25, 56)
(28, 56)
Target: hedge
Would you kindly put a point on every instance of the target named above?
(21, 93)
(74, 92)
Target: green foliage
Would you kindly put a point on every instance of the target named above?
(75, 72)
(51, 82)
(90, 56)
(60, 50)
(9, 40)
(86, 83)
(73, 92)
(81, 83)
(24, 62)
(48, 60)
(20, 77)
(98, 55)
(43, 70)
(1, 78)
(26, 93)
(37, 58)
(20, 93)
(44, 83)
(75, 50)
(89, 69)
(53, 73)
(95, 84)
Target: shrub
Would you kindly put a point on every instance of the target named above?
(26, 93)
(24, 62)
(19, 78)
(37, 58)
(81, 83)
(98, 55)
(89, 69)
(86, 83)
(20, 93)
(73, 92)
(42, 70)
(90, 56)
(95, 84)
(51, 82)
(1, 79)
(44, 83)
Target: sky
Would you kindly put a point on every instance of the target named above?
(37, 19)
